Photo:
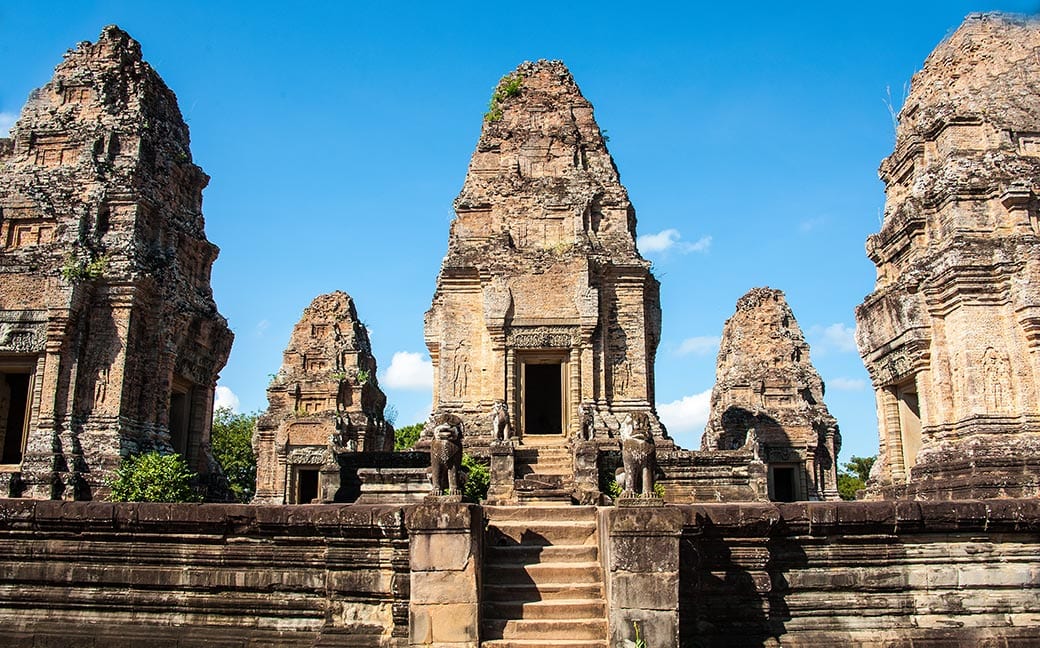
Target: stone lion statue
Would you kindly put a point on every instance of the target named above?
(587, 420)
(501, 430)
(639, 456)
(446, 454)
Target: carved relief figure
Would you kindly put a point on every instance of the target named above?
(621, 374)
(101, 386)
(501, 430)
(639, 456)
(446, 454)
(460, 379)
(998, 381)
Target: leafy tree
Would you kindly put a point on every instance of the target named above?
(478, 480)
(154, 477)
(406, 437)
(232, 444)
(853, 476)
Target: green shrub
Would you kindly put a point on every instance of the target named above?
(154, 477)
(508, 86)
(853, 476)
(478, 480)
(232, 444)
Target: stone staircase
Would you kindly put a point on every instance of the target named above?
(542, 580)
(544, 475)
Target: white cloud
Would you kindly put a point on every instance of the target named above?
(810, 224)
(409, 371)
(261, 327)
(670, 239)
(226, 398)
(7, 121)
(699, 345)
(688, 414)
(847, 384)
(836, 337)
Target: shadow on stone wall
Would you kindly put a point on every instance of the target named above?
(731, 594)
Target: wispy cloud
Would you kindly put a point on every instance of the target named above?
(669, 240)
(261, 327)
(699, 345)
(835, 337)
(847, 384)
(7, 121)
(809, 224)
(689, 414)
(409, 371)
(226, 398)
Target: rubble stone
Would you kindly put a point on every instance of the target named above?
(110, 341)
(768, 397)
(325, 400)
(951, 333)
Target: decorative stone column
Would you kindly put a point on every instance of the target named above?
(830, 480)
(445, 557)
(642, 568)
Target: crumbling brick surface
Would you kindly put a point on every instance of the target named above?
(106, 312)
(951, 333)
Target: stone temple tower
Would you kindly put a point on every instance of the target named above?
(110, 341)
(325, 400)
(951, 333)
(767, 392)
(543, 301)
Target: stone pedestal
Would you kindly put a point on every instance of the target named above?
(445, 557)
(586, 472)
(393, 485)
(642, 547)
(503, 472)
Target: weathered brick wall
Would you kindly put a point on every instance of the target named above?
(861, 574)
(101, 574)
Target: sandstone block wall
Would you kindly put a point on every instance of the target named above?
(100, 574)
(861, 574)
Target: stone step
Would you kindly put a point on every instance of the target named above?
(528, 554)
(527, 592)
(544, 573)
(543, 643)
(545, 629)
(552, 609)
(540, 533)
(520, 514)
(544, 497)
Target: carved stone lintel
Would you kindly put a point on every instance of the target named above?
(544, 337)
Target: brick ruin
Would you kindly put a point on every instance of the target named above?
(951, 333)
(324, 401)
(543, 301)
(110, 341)
(768, 394)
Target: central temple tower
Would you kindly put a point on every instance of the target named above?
(543, 301)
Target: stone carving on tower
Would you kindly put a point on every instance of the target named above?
(951, 333)
(324, 401)
(767, 393)
(543, 301)
(110, 341)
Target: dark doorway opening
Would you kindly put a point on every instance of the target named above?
(783, 485)
(14, 402)
(306, 485)
(543, 413)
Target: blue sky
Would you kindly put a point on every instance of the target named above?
(337, 137)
